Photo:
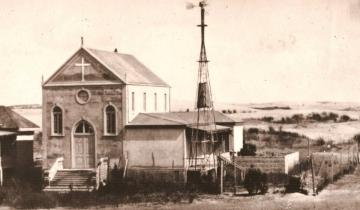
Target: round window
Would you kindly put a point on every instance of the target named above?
(83, 96)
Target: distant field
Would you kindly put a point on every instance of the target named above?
(329, 131)
(336, 132)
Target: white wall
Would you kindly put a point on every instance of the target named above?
(160, 147)
(290, 161)
(238, 137)
(139, 91)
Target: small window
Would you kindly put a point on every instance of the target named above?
(110, 121)
(133, 101)
(144, 102)
(83, 96)
(57, 121)
(165, 103)
(84, 128)
(155, 102)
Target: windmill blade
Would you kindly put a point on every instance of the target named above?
(189, 5)
(206, 5)
(204, 2)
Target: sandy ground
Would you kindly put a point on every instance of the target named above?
(344, 194)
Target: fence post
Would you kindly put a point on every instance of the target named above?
(332, 167)
(221, 176)
(341, 167)
(313, 175)
(234, 173)
(357, 153)
(348, 157)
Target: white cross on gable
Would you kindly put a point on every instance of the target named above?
(82, 65)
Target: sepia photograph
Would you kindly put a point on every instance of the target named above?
(181, 104)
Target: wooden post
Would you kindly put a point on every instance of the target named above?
(234, 173)
(153, 159)
(356, 153)
(332, 168)
(348, 156)
(308, 148)
(313, 174)
(341, 167)
(221, 176)
(1, 170)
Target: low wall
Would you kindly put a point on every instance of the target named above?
(270, 164)
(291, 160)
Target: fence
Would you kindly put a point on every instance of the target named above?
(232, 172)
(326, 167)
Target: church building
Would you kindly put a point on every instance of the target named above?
(88, 101)
(104, 108)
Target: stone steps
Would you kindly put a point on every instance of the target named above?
(79, 180)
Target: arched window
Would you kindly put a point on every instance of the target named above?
(57, 121)
(84, 127)
(110, 120)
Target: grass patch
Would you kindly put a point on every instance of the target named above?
(22, 195)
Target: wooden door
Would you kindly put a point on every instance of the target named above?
(84, 151)
(84, 146)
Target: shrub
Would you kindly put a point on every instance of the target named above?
(248, 150)
(255, 181)
(357, 138)
(320, 142)
(294, 185)
(267, 119)
(344, 118)
(253, 130)
(271, 130)
(297, 118)
(333, 116)
(314, 116)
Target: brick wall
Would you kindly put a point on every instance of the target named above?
(270, 164)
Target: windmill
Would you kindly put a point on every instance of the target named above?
(203, 131)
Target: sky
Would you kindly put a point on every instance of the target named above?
(259, 50)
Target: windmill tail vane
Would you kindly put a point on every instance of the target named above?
(190, 5)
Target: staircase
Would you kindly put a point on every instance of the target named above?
(72, 180)
(228, 184)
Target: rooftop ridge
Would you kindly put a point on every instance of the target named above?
(162, 118)
(107, 51)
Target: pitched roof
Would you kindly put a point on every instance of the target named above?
(127, 67)
(174, 118)
(147, 119)
(12, 120)
(124, 66)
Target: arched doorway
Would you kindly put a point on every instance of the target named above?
(83, 145)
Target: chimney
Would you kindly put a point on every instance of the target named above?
(115, 50)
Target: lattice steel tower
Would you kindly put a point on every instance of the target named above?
(202, 135)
